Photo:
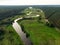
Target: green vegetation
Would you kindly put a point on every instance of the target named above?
(40, 34)
(38, 30)
(55, 15)
(34, 12)
(8, 36)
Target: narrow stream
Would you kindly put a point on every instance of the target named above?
(18, 29)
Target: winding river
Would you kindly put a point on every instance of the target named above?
(18, 29)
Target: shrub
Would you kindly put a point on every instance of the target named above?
(2, 32)
(49, 24)
(27, 34)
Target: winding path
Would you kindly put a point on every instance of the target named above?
(18, 29)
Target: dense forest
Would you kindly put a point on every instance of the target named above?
(51, 12)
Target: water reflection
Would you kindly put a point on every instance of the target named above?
(18, 29)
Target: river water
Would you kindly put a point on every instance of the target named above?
(18, 29)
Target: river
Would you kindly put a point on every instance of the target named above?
(21, 33)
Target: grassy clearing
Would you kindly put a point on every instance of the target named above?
(40, 34)
(10, 37)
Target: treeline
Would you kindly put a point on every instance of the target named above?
(53, 14)
(4, 13)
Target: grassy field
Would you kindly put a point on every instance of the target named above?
(40, 34)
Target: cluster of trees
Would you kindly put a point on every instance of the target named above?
(53, 15)
(2, 33)
(9, 12)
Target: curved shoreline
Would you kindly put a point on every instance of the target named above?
(18, 29)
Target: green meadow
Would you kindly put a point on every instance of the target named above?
(39, 33)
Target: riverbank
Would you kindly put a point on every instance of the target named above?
(21, 33)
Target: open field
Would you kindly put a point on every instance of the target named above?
(40, 34)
